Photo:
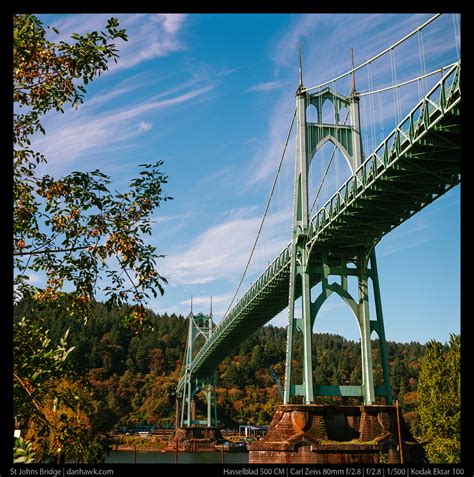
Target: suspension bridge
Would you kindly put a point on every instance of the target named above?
(416, 162)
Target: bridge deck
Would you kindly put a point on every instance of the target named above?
(418, 162)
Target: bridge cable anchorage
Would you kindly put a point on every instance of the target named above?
(264, 215)
(305, 90)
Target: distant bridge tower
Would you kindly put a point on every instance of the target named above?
(199, 326)
(310, 266)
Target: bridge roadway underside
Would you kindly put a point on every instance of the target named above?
(411, 176)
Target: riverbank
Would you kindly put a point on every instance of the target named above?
(152, 443)
(138, 443)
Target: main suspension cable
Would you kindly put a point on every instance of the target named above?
(376, 56)
(431, 73)
(264, 215)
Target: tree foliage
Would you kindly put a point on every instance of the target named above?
(74, 228)
(76, 231)
(133, 377)
(439, 400)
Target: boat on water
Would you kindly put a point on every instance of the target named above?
(227, 446)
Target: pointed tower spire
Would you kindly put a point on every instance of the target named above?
(191, 304)
(353, 72)
(211, 323)
(300, 69)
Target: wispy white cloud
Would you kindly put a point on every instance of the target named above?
(413, 235)
(149, 36)
(34, 278)
(169, 218)
(396, 248)
(143, 126)
(87, 130)
(266, 86)
(270, 148)
(202, 303)
(220, 252)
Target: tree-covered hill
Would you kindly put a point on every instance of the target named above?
(132, 374)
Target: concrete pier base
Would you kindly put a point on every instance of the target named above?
(195, 439)
(324, 434)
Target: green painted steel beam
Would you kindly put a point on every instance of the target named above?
(345, 391)
(335, 390)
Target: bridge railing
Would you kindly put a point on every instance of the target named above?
(280, 263)
(415, 123)
(272, 270)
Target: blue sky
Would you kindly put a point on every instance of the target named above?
(212, 95)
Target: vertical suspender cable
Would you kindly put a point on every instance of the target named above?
(421, 50)
(333, 88)
(394, 82)
(381, 118)
(365, 129)
(457, 36)
(371, 60)
(311, 142)
(323, 152)
(372, 109)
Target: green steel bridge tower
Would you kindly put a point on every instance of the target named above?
(200, 326)
(335, 261)
(416, 163)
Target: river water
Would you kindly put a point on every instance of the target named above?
(146, 457)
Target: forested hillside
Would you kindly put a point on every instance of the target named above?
(132, 374)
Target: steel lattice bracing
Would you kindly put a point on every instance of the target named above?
(417, 163)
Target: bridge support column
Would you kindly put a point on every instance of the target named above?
(325, 265)
(189, 404)
(211, 399)
(363, 318)
(300, 280)
(379, 328)
(299, 274)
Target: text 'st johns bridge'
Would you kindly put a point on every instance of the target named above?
(417, 162)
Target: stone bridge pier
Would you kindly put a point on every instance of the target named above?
(324, 434)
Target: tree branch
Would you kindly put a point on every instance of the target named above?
(39, 252)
